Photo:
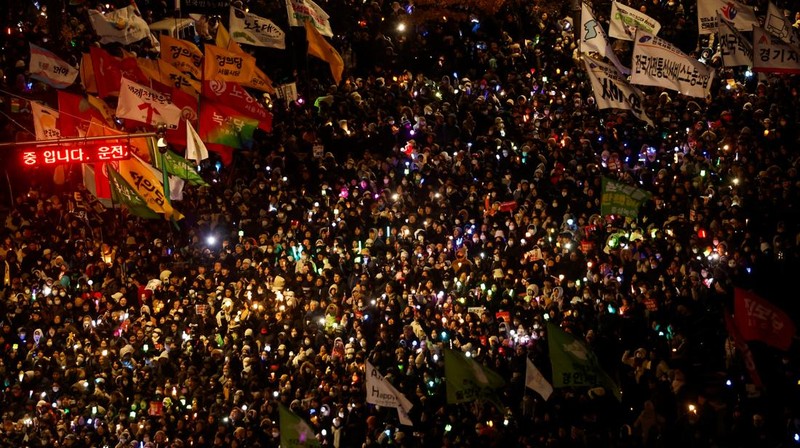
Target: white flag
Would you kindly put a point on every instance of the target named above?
(45, 122)
(625, 20)
(594, 40)
(772, 55)
(780, 26)
(45, 66)
(742, 16)
(140, 103)
(251, 29)
(612, 91)
(381, 392)
(301, 11)
(657, 62)
(736, 49)
(176, 184)
(124, 25)
(537, 382)
(195, 148)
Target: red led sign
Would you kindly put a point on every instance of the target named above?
(79, 153)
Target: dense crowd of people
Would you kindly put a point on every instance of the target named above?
(455, 203)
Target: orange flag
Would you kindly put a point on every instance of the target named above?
(259, 80)
(87, 74)
(138, 146)
(182, 54)
(319, 47)
(224, 65)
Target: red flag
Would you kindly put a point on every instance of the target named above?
(107, 72)
(744, 349)
(509, 206)
(188, 106)
(129, 67)
(760, 320)
(75, 114)
(233, 95)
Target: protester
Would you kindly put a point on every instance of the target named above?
(455, 205)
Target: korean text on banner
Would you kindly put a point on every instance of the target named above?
(233, 95)
(594, 39)
(742, 16)
(625, 20)
(125, 194)
(658, 63)
(247, 28)
(620, 199)
(138, 175)
(758, 319)
(224, 65)
(772, 55)
(612, 91)
(307, 11)
(735, 48)
(207, 7)
(45, 66)
(143, 104)
(182, 54)
(45, 122)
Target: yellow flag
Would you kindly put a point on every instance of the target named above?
(87, 74)
(137, 174)
(182, 54)
(259, 80)
(102, 107)
(223, 40)
(319, 47)
(169, 75)
(223, 65)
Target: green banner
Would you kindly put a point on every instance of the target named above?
(467, 380)
(295, 432)
(620, 199)
(122, 193)
(574, 364)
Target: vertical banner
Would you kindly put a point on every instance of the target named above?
(594, 39)
(45, 122)
(736, 49)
